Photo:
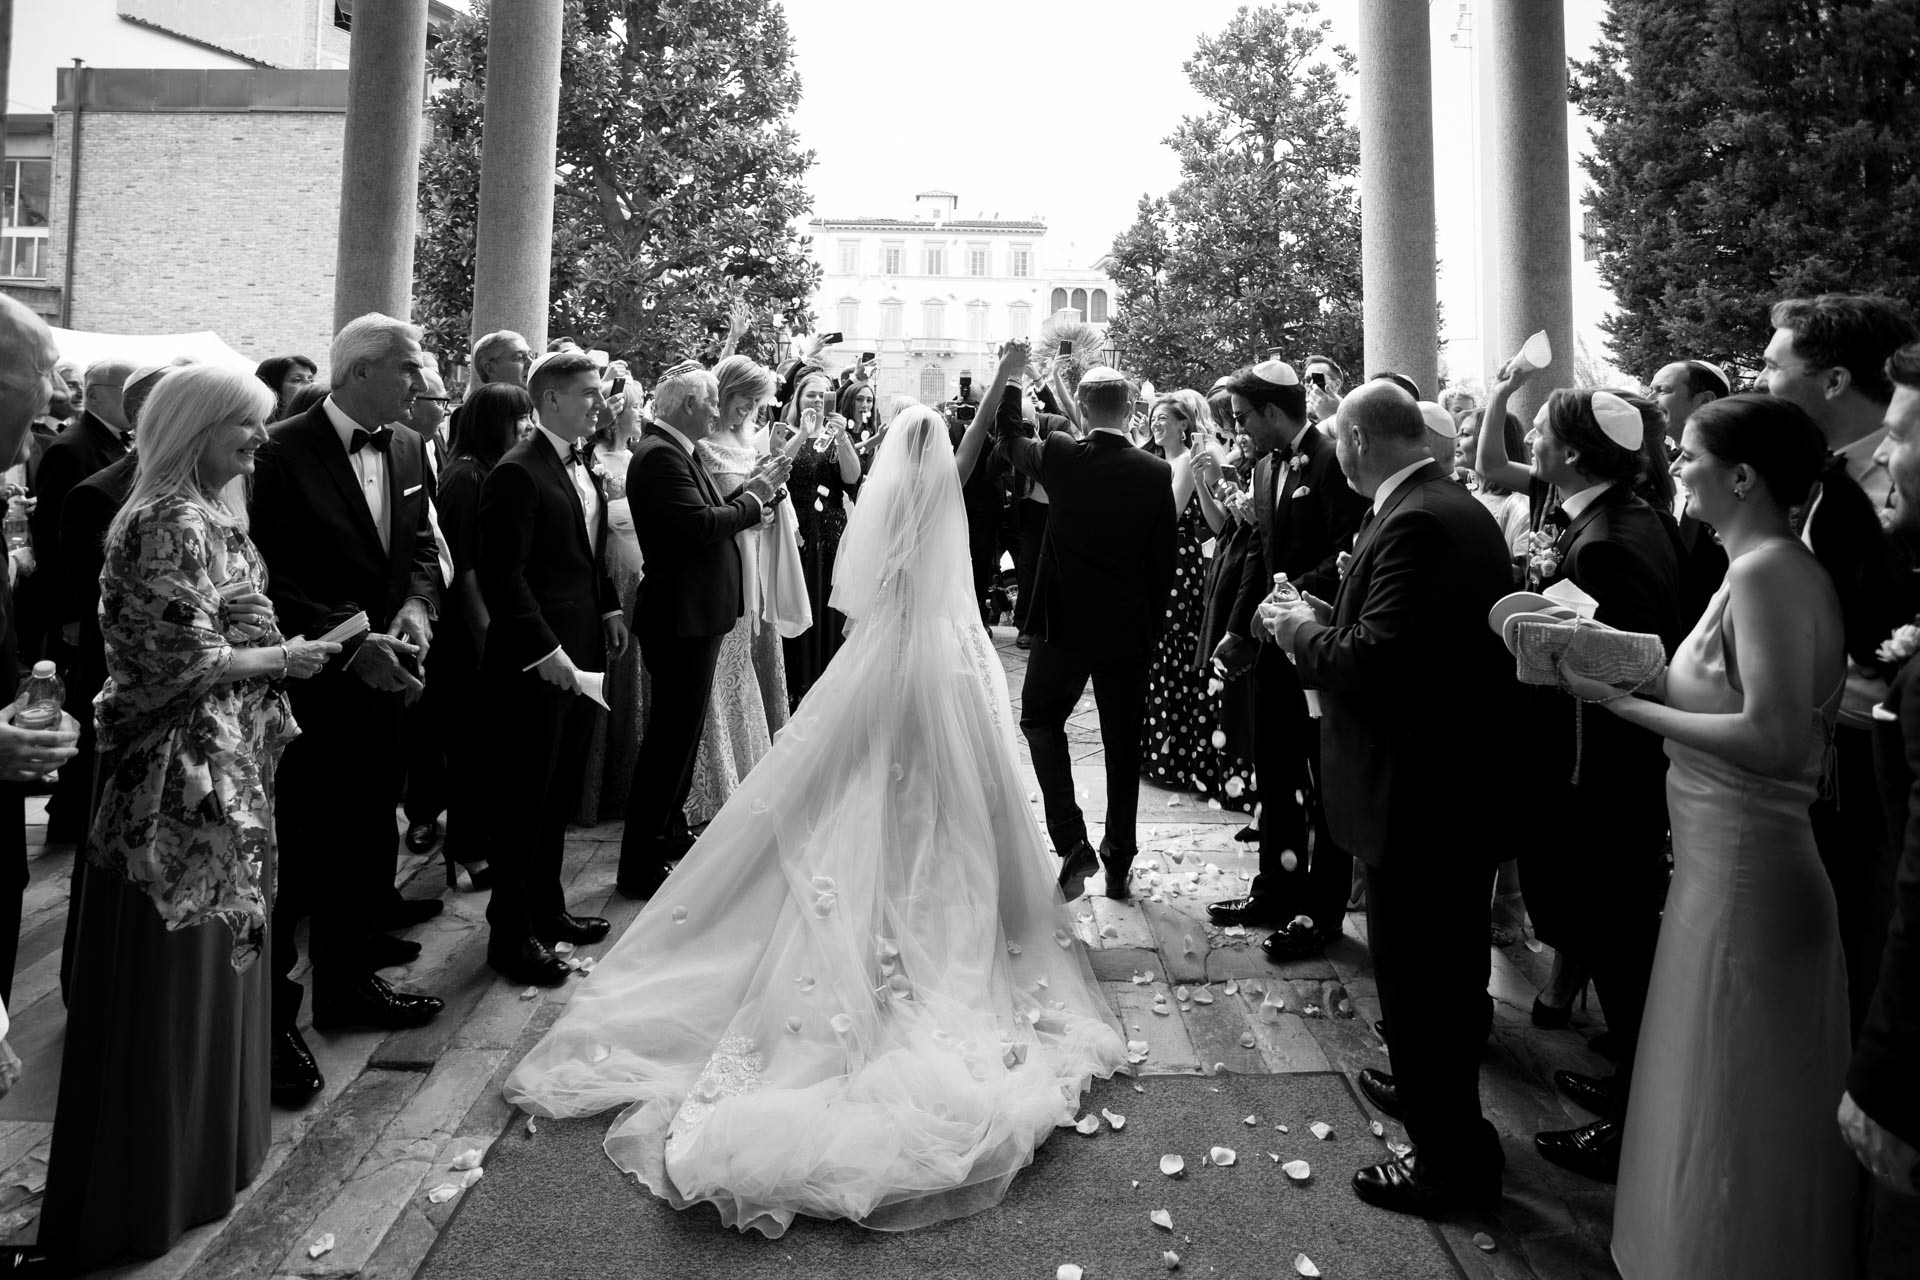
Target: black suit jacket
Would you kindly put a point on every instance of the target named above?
(1299, 534)
(685, 528)
(90, 507)
(1409, 632)
(1619, 551)
(1106, 565)
(540, 574)
(1703, 567)
(1846, 535)
(319, 541)
(86, 446)
(1886, 1057)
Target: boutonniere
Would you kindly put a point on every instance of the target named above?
(1901, 645)
(1296, 462)
(1340, 564)
(1303, 491)
(1543, 554)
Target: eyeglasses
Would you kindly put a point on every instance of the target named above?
(436, 399)
(1239, 417)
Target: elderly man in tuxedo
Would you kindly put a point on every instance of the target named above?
(1099, 605)
(340, 514)
(1427, 565)
(689, 599)
(1305, 517)
(554, 615)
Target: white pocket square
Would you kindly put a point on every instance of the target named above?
(410, 492)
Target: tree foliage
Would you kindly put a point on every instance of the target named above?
(1259, 244)
(1746, 151)
(680, 183)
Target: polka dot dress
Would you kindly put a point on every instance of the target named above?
(1178, 743)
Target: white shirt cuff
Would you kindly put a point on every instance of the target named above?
(531, 665)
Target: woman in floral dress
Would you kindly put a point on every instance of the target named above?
(164, 1109)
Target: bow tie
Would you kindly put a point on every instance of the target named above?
(576, 456)
(380, 438)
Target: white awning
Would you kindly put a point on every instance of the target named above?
(206, 347)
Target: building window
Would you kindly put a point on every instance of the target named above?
(1079, 302)
(976, 322)
(23, 218)
(977, 260)
(936, 260)
(1020, 262)
(1590, 237)
(849, 316)
(1019, 321)
(933, 384)
(890, 257)
(890, 313)
(849, 257)
(933, 320)
(1059, 300)
(1097, 307)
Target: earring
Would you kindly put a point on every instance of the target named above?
(1740, 494)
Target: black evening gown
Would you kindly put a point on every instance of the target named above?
(1230, 739)
(819, 498)
(1178, 750)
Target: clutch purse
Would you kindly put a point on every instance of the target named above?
(1544, 649)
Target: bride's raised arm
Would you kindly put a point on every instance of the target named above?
(1013, 358)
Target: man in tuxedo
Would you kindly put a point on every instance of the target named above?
(1880, 1111)
(553, 615)
(1099, 605)
(1828, 355)
(1427, 565)
(340, 515)
(501, 356)
(94, 440)
(425, 725)
(1306, 516)
(1680, 388)
(689, 599)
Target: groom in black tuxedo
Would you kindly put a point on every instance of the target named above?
(553, 615)
(1407, 630)
(1099, 604)
(340, 514)
(1306, 515)
(689, 599)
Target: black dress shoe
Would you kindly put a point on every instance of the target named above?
(1382, 1092)
(1246, 911)
(295, 1075)
(1117, 863)
(1023, 641)
(384, 951)
(643, 883)
(404, 913)
(1592, 1150)
(1081, 861)
(527, 961)
(370, 1002)
(1299, 939)
(1248, 834)
(422, 836)
(581, 931)
(1592, 1092)
(1406, 1186)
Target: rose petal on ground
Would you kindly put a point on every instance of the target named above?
(1250, 1121)
(1172, 1165)
(1067, 1271)
(679, 915)
(1298, 1170)
(1303, 1265)
(439, 1195)
(1232, 987)
(1322, 1130)
(1484, 1242)
(1162, 1219)
(1088, 1124)
(562, 948)
(1246, 1040)
(531, 1127)
(1223, 1156)
(1109, 931)
(1379, 1130)
(530, 993)
(1203, 996)
(470, 1177)
(1114, 1119)
(468, 1159)
(1171, 1258)
(323, 1245)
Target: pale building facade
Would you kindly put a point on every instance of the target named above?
(934, 295)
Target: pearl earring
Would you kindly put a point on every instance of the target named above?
(1740, 494)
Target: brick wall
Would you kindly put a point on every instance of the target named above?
(204, 220)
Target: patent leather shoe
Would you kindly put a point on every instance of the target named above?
(404, 913)
(294, 1076)
(581, 931)
(369, 1002)
(1081, 861)
(1246, 911)
(1118, 864)
(1406, 1186)
(1592, 1150)
(1298, 939)
(384, 951)
(1591, 1092)
(422, 836)
(1382, 1092)
(644, 882)
(528, 961)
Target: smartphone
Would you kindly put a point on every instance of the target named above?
(1066, 349)
(618, 389)
(1317, 380)
(868, 357)
(828, 339)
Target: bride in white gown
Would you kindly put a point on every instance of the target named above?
(860, 995)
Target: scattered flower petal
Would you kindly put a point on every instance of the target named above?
(468, 1159)
(1223, 1156)
(1400, 1150)
(1162, 1219)
(793, 1026)
(1171, 1258)
(530, 993)
(1013, 948)
(1172, 1165)
(323, 1245)
(1322, 1130)
(1282, 1128)
(805, 983)
(1298, 1170)
(1250, 1121)
(470, 1177)
(1219, 1069)
(1116, 1121)
(1203, 996)
(562, 948)
(679, 915)
(1109, 930)
(1064, 938)
(1379, 1130)
(1067, 1271)
(841, 1023)
(1483, 1242)
(1232, 987)
(1246, 1040)
(1182, 993)
(1303, 1265)
(1088, 1124)
(532, 1128)
(1290, 860)
(439, 1195)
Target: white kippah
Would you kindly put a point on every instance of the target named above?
(1278, 372)
(1439, 421)
(1621, 421)
(1101, 373)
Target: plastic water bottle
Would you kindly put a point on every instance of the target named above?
(41, 696)
(19, 533)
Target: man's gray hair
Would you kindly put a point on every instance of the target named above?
(497, 343)
(111, 372)
(674, 392)
(366, 338)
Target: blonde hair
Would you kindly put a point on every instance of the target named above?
(740, 376)
(189, 405)
(1190, 405)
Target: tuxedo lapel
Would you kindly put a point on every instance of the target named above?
(332, 458)
(558, 471)
(1394, 499)
(1605, 502)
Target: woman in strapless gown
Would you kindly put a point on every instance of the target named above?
(1732, 1163)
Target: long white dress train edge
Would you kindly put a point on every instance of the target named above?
(860, 995)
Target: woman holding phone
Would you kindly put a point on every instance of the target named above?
(826, 472)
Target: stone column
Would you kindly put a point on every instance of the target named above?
(380, 170)
(513, 247)
(1397, 248)
(1528, 192)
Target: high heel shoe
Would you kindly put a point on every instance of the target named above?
(479, 873)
